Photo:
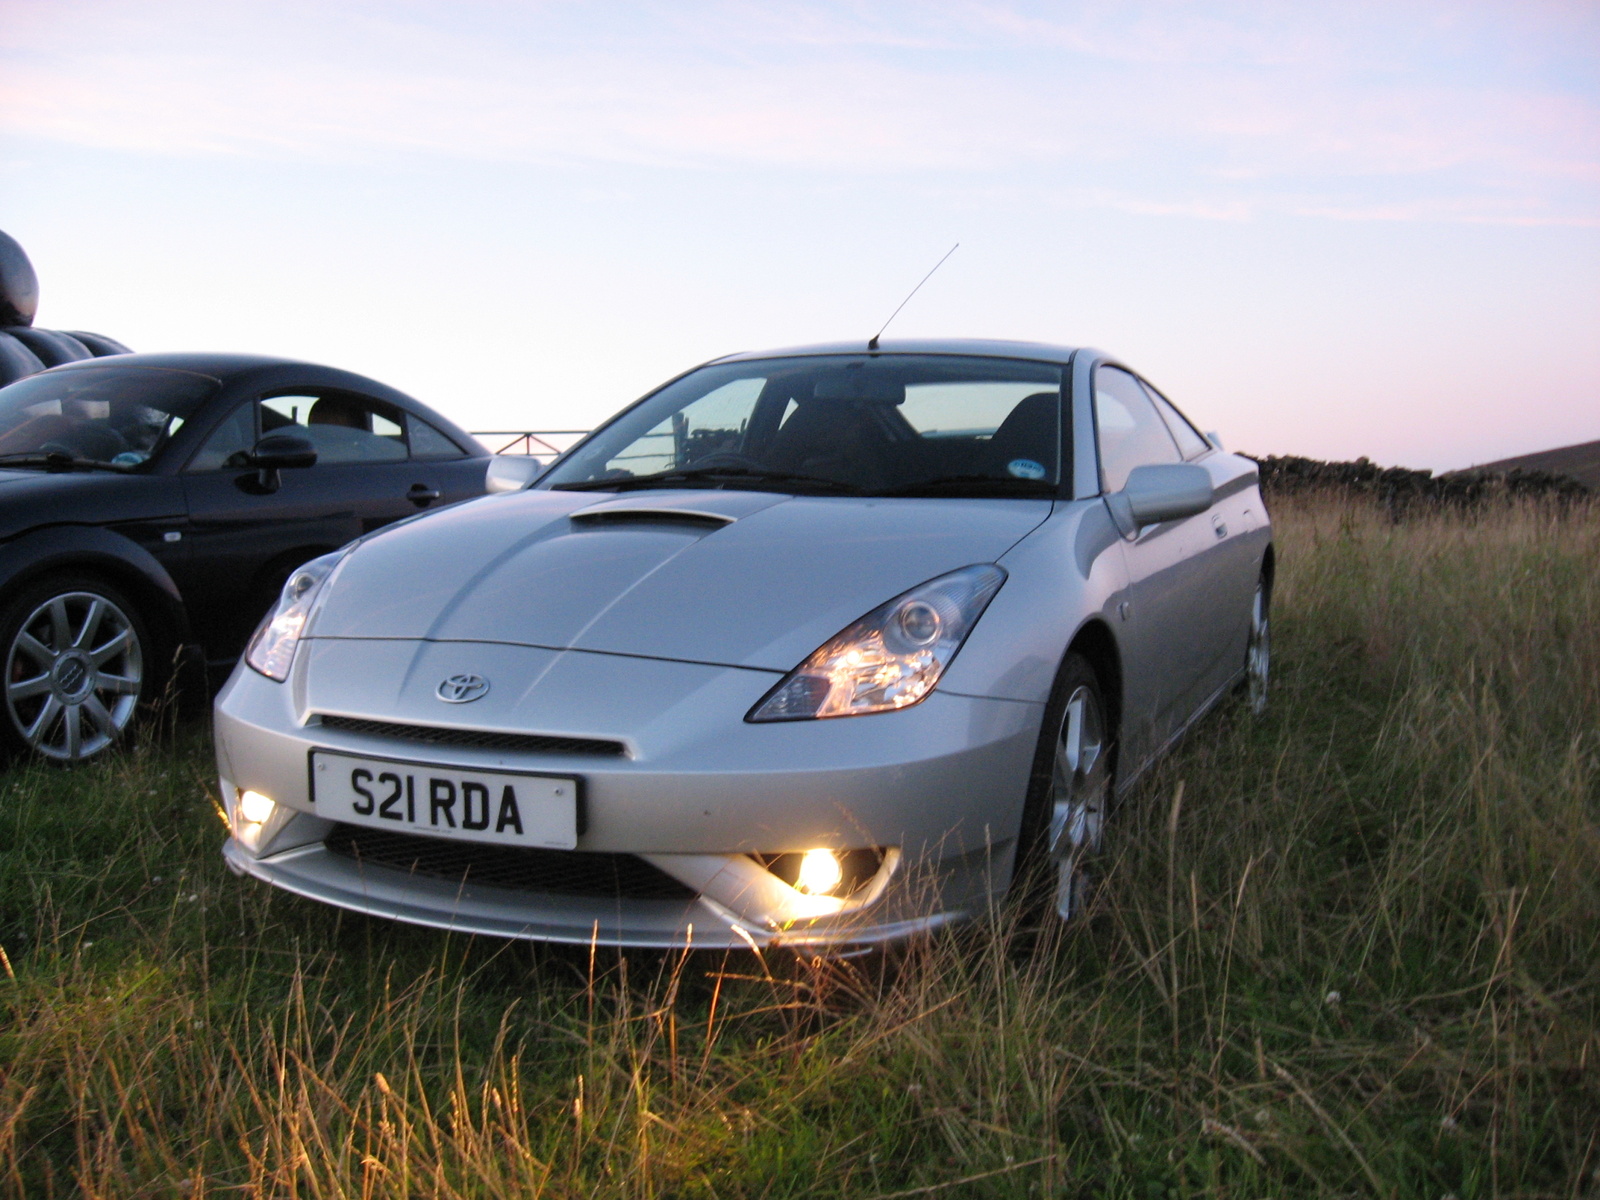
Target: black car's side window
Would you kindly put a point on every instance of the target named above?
(230, 443)
(343, 428)
(1132, 433)
(427, 442)
(1190, 441)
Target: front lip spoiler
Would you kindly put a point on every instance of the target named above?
(312, 871)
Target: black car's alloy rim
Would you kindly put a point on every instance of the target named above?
(74, 672)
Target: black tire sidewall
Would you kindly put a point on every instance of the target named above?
(23, 603)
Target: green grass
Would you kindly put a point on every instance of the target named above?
(1357, 954)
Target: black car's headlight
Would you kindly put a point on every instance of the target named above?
(892, 657)
(271, 650)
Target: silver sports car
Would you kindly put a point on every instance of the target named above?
(817, 647)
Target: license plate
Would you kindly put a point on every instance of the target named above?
(505, 807)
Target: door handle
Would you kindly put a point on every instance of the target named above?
(422, 495)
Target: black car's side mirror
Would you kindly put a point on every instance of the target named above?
(277, 452)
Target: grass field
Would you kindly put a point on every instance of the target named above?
(1350, 949)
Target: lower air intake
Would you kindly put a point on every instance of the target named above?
(524, 869)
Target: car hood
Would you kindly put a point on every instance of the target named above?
(747, 579)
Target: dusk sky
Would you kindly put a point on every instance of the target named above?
(1333, 229)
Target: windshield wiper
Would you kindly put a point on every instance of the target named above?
(708, 475)
(56, 460)
(974, 485)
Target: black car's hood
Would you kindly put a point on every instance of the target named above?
(31, 498)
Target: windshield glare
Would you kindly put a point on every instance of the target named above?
(900, 424)
(115, 415)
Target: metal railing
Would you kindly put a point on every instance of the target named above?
(542, 444)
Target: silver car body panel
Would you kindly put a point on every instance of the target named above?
(656, 620)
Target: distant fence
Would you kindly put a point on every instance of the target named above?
(542, 444)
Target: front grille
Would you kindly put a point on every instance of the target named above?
(482, 739)
(525, 869)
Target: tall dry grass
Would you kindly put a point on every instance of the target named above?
(1348, 949)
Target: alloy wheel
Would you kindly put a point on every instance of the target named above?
(1258, 653)
(1080, 791)
(74, 672)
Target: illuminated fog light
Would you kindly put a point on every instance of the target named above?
(820, 873)
(254, 807)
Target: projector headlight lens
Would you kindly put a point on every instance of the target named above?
(892, 657)
(272, 648)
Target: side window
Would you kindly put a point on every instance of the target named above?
(229, 442)
(1131, 433)
(1189, 439)
(344, 428)
(428, 442)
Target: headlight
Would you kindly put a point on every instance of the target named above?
(890, 658)
(272, 648)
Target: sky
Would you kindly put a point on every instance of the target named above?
(1326, 228)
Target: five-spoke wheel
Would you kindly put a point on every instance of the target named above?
(1066, 814)
(74, 669)
(1258, 651)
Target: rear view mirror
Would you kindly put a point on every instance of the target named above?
(511, 472)
(278, 451)
(1161, 492)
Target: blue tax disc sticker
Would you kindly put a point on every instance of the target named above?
(1025, 468)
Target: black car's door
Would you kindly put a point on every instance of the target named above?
(247, 533)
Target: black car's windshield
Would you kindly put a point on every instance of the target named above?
(889, 424)
(110, 416)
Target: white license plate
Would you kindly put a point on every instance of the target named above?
(505, 807)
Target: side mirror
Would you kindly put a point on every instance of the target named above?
(511, 472)
(278, 451)
(1215, 439)
(1160, 492)
(275, 452)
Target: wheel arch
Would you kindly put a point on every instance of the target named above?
(1098, 645)
(107, 555)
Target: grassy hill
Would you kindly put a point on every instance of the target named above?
(1580, 462)
(1349, 949)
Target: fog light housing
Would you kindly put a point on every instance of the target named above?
(821, 872)
(255, 808)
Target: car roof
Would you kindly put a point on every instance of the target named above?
(979, 347)
(245, 371)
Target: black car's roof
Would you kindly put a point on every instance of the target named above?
(980, 347)
(244, 371)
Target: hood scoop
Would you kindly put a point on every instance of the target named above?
(649, 515)
(705, 510)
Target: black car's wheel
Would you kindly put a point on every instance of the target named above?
(76, 662)
(1064, 817)
(1258, 650)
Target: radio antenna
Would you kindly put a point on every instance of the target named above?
(872, 342)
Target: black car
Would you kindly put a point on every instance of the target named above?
(152, 505)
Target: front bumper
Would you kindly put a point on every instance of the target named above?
(695, 795)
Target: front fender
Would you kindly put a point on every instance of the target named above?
(102, 552)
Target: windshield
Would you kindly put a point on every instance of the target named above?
(114, 416)
(891, 424)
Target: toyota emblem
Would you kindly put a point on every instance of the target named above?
(459, 689)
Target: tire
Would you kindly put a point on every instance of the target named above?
(97, 344)
(16, 360)
(1069, 794)
(1258, 650)
(77, 661)
(53, 349)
